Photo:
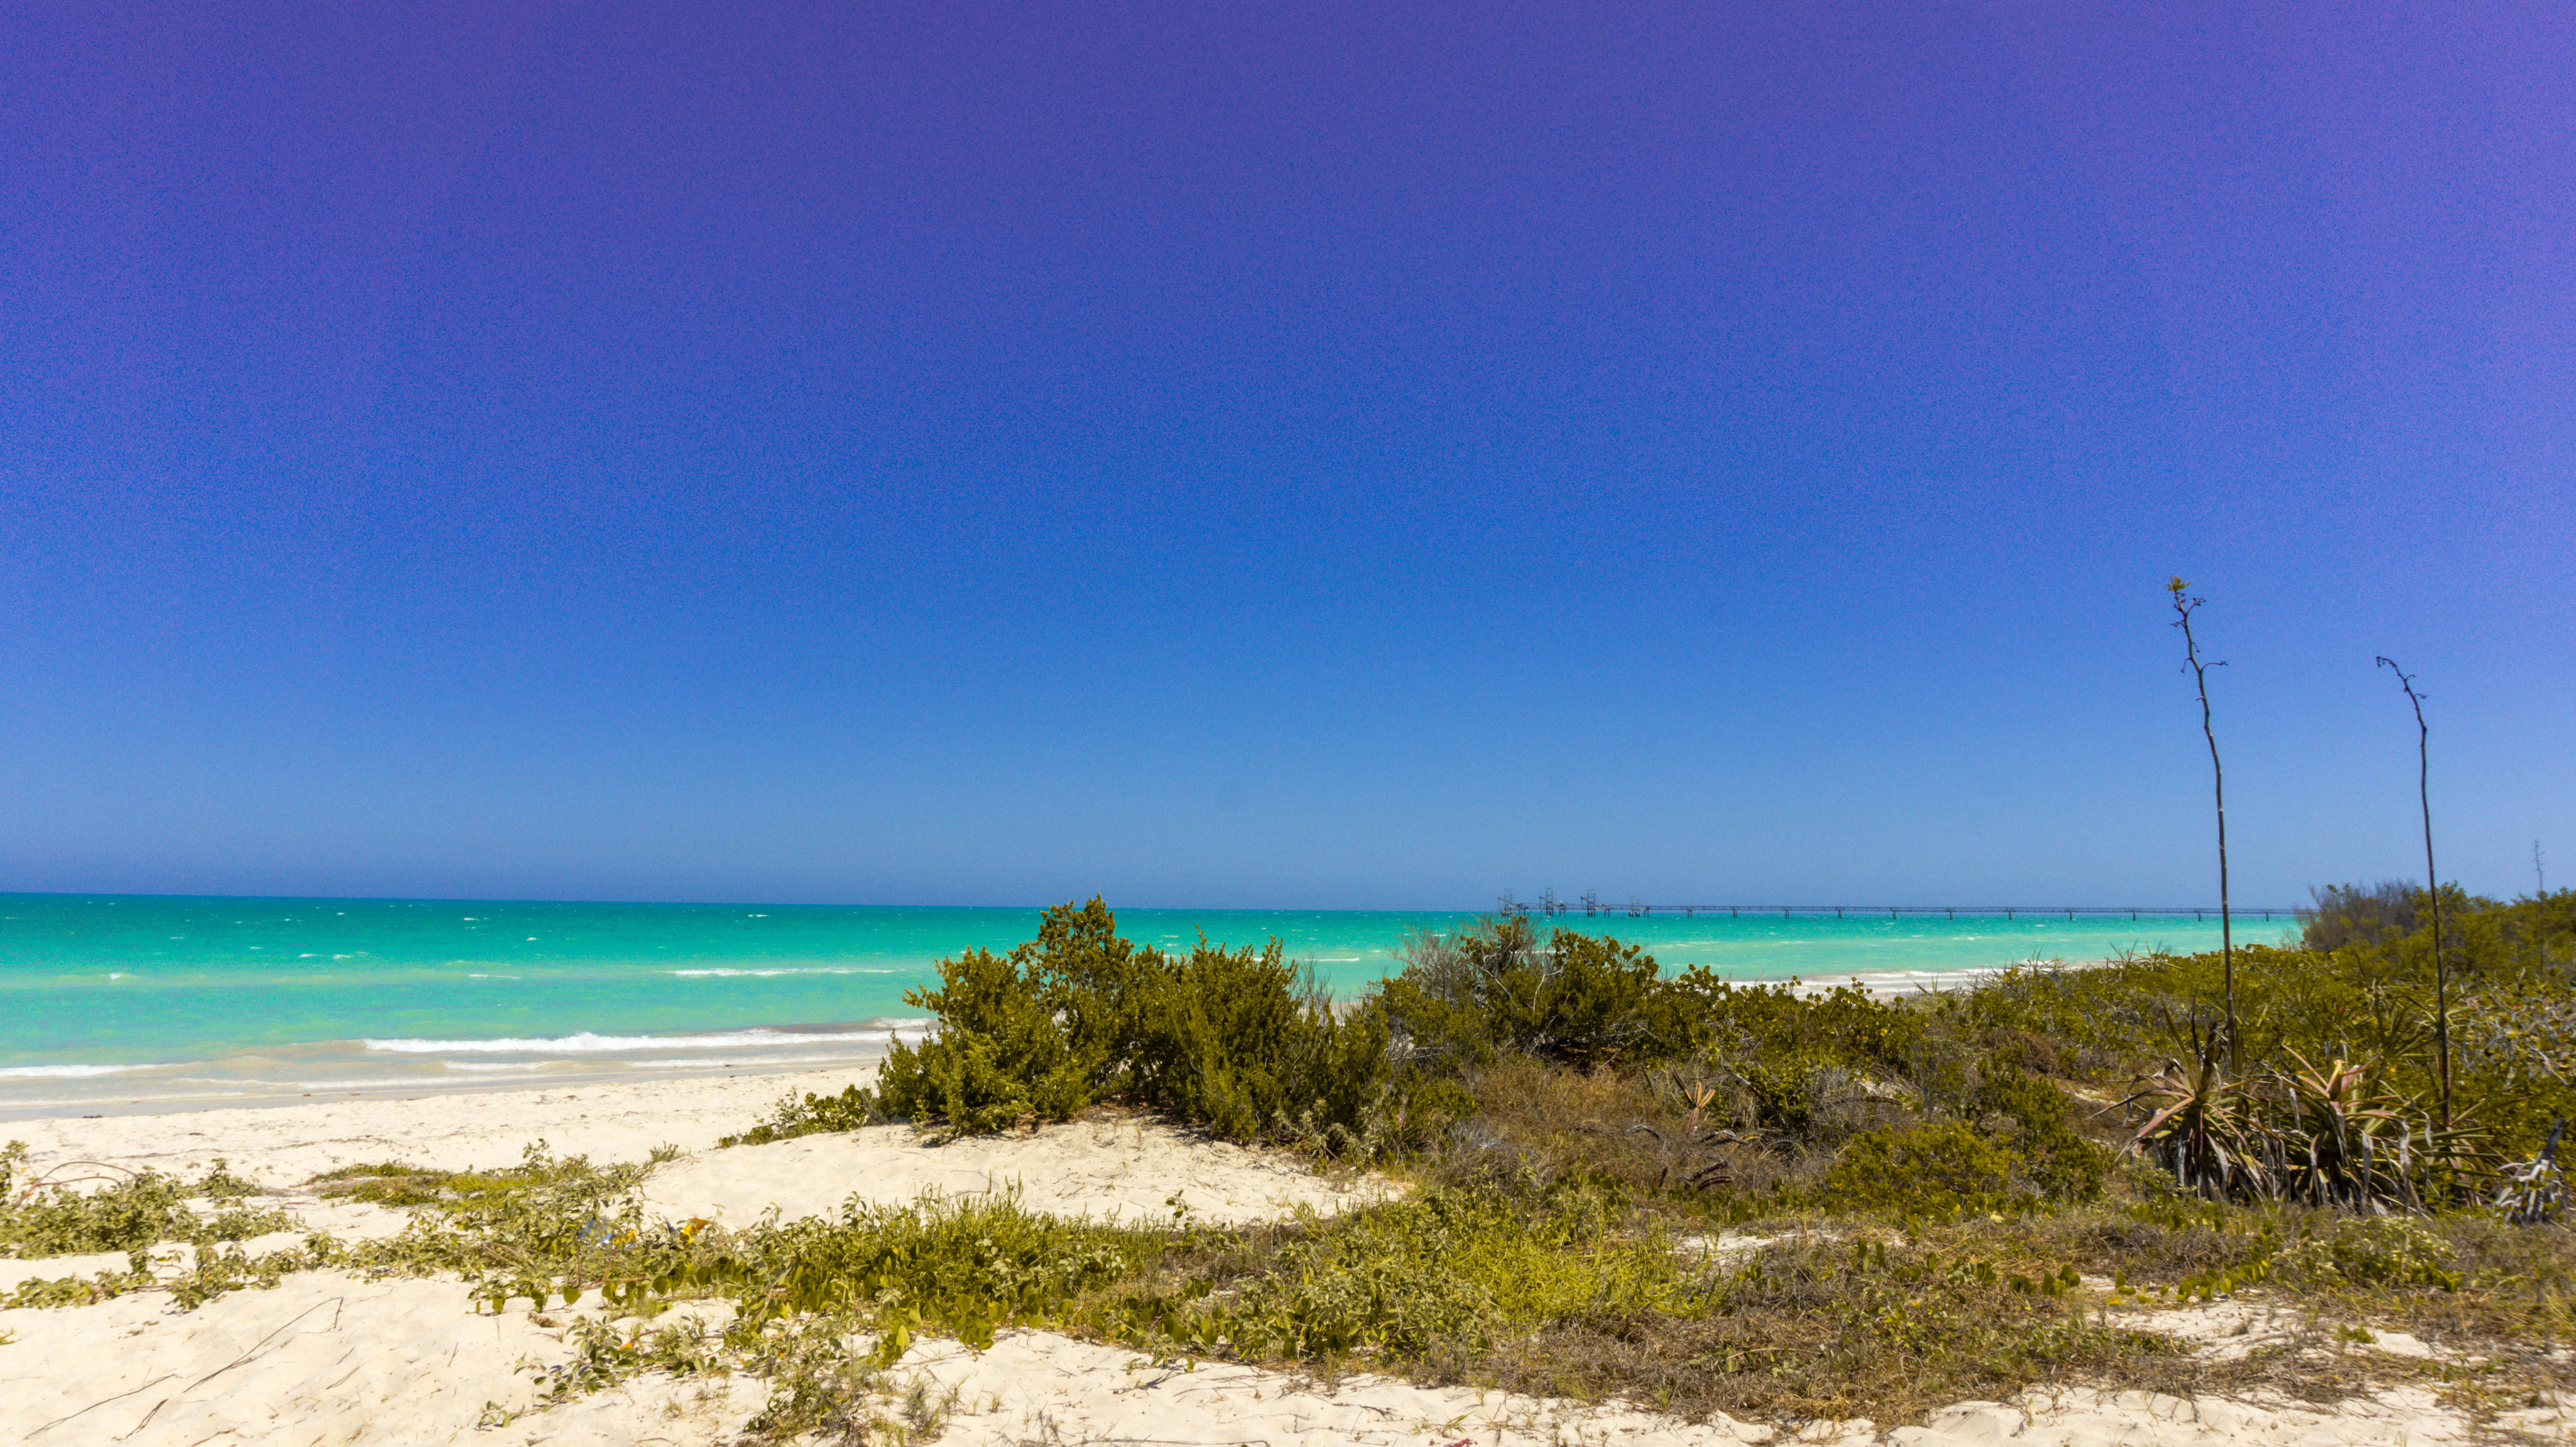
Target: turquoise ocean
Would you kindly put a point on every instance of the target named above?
(144, 1002)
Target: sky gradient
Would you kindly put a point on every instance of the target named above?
(1234, 455)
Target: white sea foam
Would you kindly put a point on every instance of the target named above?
(587, 1043)
(67, 1072)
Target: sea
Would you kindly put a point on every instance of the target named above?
(125, 1003)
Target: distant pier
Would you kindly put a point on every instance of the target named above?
(1590, 906)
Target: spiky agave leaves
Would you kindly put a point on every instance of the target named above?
(2332, 1136)
(2208, 1130)
(2353, 1141)
(2349, 1143)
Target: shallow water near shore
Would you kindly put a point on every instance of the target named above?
(127, 1000)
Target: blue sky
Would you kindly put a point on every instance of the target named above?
(1219, 455)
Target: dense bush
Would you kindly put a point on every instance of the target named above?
(2348, 914)
(1237, 1040)
(1494, 989)
(1465, 998)
(2370, 1001)
(1804, 1066)
(1244, 1042)
(2057, 1162)
(1240, 1041)
(1938, 1169)
(1023, 1037)
(1845, 1025)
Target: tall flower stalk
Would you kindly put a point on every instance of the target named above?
(2433, 883)
(2183, 605)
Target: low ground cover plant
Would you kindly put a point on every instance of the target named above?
(86, 1207)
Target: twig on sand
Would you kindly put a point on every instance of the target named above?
(260, 1345)
(103, 1401)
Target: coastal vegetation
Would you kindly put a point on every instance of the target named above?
(91, 1207)
(1771, 1201)
(1785, 1203)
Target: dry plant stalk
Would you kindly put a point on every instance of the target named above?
(2433, 884)
(2183, 605)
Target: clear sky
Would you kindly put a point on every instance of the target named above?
(1280, 455)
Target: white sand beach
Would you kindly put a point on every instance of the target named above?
(328, 1358)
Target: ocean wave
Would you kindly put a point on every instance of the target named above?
(588, 1043)
(67, 1072)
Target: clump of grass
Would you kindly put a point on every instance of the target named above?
(821, 1309)
(551, 1227)
(2382, 1251)
(383, 1183)
(959, 1267)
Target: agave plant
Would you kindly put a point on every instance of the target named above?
(2349, 1143)
(2207, 1130)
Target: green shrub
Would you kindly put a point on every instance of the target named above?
(1578, 999)
(1791, 1094)
(2348, 914)
(1938, 1169)
(1241, 1041)
(1237, 1040)
(1845, 1025)
(2056, 1161)
(1023, 1037)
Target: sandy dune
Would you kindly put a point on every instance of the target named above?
(330, 1359)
